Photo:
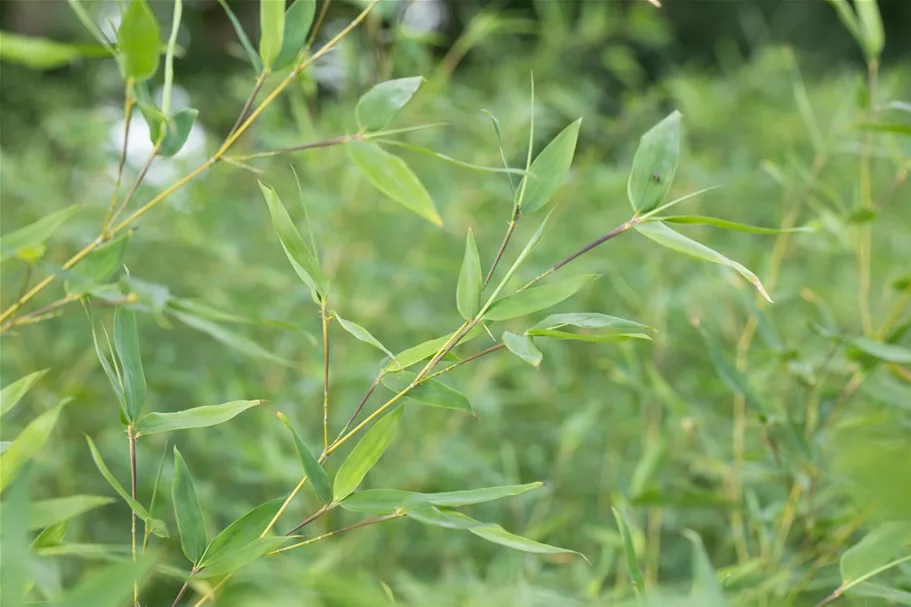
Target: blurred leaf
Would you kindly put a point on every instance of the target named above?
(655, 164)
(445, 158)
(591, 320)
(666, 237)
(28, 443)
(729, 225)
(883, 351)
(44, 54)
(365, 455)
(897, 128)
(52, 535)
(705, 580)
(13, 393)
(298, 19)
(111, 370)
(187, 511)
(252, 56)
(301, 257)
(243, 555)
(112, 587)
(241, 532)
(126, 343)
(377, 107)
(317, 475)
(629, 553)
(875, 551)
(157, 527)
(731, 376)
(538, 298)
(391, 175)
(15, 572)
(178, 130)
(520, 259)
(871, 25)
(550, 167)
(138, 42)
(59, 509)
(83, 15)
(272, 30)
(523, 347)
(425, 350)
(97, 267)
(198, 417)
(880, 591)
(428, 392)
(471, 281)
(379, 501)
(234, 340)
(34, 234)
(362, 334)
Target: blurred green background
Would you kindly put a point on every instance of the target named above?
(771, 94)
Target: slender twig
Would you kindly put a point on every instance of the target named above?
(298, 148)
(360, 406)
(358, 525)
(323, 510)
(139, 179)
(466, 360)
(131, 436)
(325, 318)
(318, 23)
(183, 588)
(260, 80)
(509, 230)
(128, 104)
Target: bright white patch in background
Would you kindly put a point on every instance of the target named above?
(180, 98)
(330, 70)
(109, 20)
(424, 16)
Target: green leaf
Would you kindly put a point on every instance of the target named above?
(178, 130)
(198, 417)
(59, 509)
(362, 334)
(301, 257)
(425, 350)
(550, 168)
(591, 320)
(880, 591)
(629, 553)
(138, 42)
(871, 25)
(51, 536)
(378, 501)
(317, 475)
(875, 550)
(23, 241)
(298, 19)
(44, 54)
(109, 365)
(252, 57)
(157, 527)
(83, 15)
(376, 108)
(126, 342)
(241, 532)
(520, 259)
(666, 237)
(655, 164)
(15, 568)
(445, 158)
(13, 393)
(112, 587)
(897, 128)
(523, 347)
(391, 175)
(705, 580)
(538, 298)
(887, 352)
(187, 511)
(231, 339)
(731, 376)
(730, 225)
(241, 556)
(471, 281)
(27, 444)
(365, 455)
(606, 338)
(848, 18)
(97, 267)
(428, 392)
(272, 30)
(431, 515)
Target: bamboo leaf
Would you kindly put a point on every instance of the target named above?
(179, 126)
(538, 298)
(126, 343)
(15, 569)
(56, 510)
(425, 350)
(891, 353)
(445, 158)
(379, 501)
(875, 551)
(705, 580)
(317, 475)
(27, 444)
(272, 30)
(523, 347)
(97, 267)
(550, 168)
(731, 376)
(378, 106)
(591, 320)
(298, 19)
(629, 553)
(252, 56)
(655, 164)
(730, 225)
(187, 511)
(13, 393)
(138, 42)
(362, 334)
(242, 556)
(240, 533)
(471, 281)
(365, 455)
(25, 241)
(428, 392)
(198, 417)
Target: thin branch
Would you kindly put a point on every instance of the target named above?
(360, 406)
(509, 230)
(323, 510)
(128, 104)
(260, 80)
(325, 143)
(131, 435)
(358, 525)
(325, 319)
(464, 361)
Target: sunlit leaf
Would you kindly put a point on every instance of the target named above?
(362, 334)
(365, 455)
(187, 511)
(429, 392)
(389, 500)
(317, 475)
(138, 42)
(629, 554)
(28, 443)
(83, 15)
(198, 417)
(730, 225)
(13, 393)
(59, 509)
(377, 107)
(887, 352)
(871, 25)
(655, 164)
(471, 281)
(298, 19)
(272, 30)
(523, 347)
(538, 298)
(52, 535)
(241, 532)
(34, 234)
(549, 169)
(883, 544)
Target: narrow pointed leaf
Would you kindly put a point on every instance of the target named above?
(126, 343)
(655, 164)
(591, 320)
(138, 42)
(198, 417)
(392, 176)
(377, 107)
(242, 556)
(178, 131)
(317, 475)
(365, 455)
(471, 281)
(13, 393)
(362, 334)
(730, 225)
(538, 298)
(429, 392)
(445, 158)
(705, 580)
(35, 234)
(15, 568)
(666, 237)
(272, 30)
(234, 340)
(871, 25)
(111, 587)
(83, 15)
(520, 259)
(550, 168)
(378, 501)
(598, 338)
(98, 267)
(187, 511)
(29, 442)
(298, 19)
(425, 350)
(48, 512)
(629, 553)
(883, 544)
(523, 347)
(252, 56)
(881, 591)
(241, 532)
(887, 352)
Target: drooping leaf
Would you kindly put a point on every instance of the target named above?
(666, 237)
(523, 347)
(31, 238)
(126, 343)
(197, 417)
(111, 587)
(83, 15)
(550, 168)
(365, 455)
(730, 225)
(168, 85)
(591, 320)
(97, 267)
(44, 54)
(887, 352)
(234, 340)
(241, 532)
(882, 545)
(60, 509)
(392, 176)
(271, 30)
(445, 158)
(138, 42)
(187, 511)
(50, 536)
(298, 19)
(705, 581)
(13, 393)
(429, 392)
(362, 334)
(178, 131)
(896, 128)
(301, 257)
(425, 350)
(538, 298)
(27, 444)
(378, 501)
(317, 475)
(252, 56)
(241, 556)
(629, 553)
(111, 370)
(655, 164)
(377, 107)
(471, 281)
